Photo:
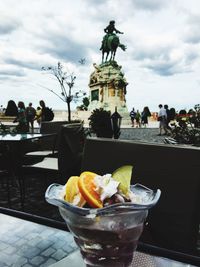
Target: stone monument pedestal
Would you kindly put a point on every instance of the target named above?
(108, 87)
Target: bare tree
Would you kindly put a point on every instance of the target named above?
(66, 82)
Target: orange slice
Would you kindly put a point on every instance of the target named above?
(87, 188)
(72, 193)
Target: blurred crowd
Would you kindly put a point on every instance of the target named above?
(25, 116)
(167, 117)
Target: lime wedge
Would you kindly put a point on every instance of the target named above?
(123, 175)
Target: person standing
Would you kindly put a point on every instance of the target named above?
(1, 109)
(138, 119)
(22, 126)
(145, 114)
(11, 109)
(46, 112)
(43, 107)
(38, 115)
(168, 119)
(132, 115)
(162, 118)
(30, 115)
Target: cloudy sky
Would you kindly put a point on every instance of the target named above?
(161, 63)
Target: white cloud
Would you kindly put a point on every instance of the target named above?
(10, 71)
(150, 5)
(161, 62)
(192, 35)
(8, 24)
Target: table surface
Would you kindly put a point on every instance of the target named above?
(140, 260)
(27, 244)
(21, 137)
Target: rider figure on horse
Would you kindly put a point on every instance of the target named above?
(110, 29)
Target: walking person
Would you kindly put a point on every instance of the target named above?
(162, 118)
(132, 115)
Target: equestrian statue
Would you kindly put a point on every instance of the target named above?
(111, 42)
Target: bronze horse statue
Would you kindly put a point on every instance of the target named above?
(110, 45)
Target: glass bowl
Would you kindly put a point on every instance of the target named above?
(106, 236)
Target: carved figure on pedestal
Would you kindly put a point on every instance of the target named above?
(111, 42)
(96, 75)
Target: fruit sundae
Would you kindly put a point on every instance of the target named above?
(96, 191)
(105, 214)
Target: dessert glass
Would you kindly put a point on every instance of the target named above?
(106, 236)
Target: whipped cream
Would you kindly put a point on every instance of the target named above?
(106, 186)
(76, 200)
